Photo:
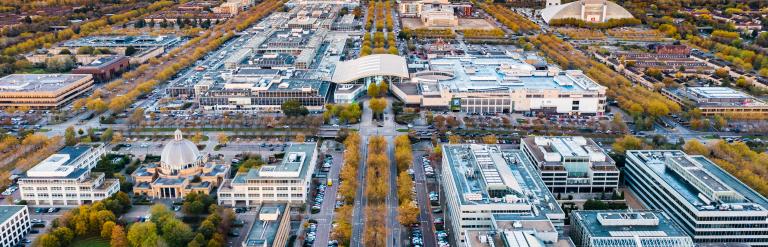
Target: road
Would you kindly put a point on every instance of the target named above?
(422, 197)
(325, 217)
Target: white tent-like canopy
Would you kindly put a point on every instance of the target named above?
(371, 65)
(586, 10)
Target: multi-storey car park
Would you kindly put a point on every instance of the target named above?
(484, 185)
(710, 205)
(503, 84)
(718, 101)
(65, 178)
(271, 227)
(572, 164)
(287, 181)
(610, 228)
(14, 224)
(42, 91)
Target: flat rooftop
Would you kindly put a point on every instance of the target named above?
(266, 225)
(478, 169)
(6, 211)
(38, 82)
(621, 223)
(120, 41)
(555, 150)
(506, 73)
(61, 164)
(295, 164)
(691, 175)
(102, 62)
(718, 92)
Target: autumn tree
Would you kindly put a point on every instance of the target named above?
(300, 138)
(118, 238)
(69, 136)
(142, 234)
(407, 213)
(222, 138)
(490, 139)
(373, 90)
(628, 142)
(377, 105)
(693, 146)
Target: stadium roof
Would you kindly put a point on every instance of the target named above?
(585, 10)
(372, 65)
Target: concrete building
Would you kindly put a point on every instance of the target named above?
(182, 170)
(65, 178)
(258, 90)
(43, 91)
(271, 228)
(14, 224)
(104, 69)
(710, 205)
(483, 184)
(287, 181)
(518, 232)
(585, 10)
(139, 42)
(722, 101)
(572, 164)
(611, 228)
(503, 84)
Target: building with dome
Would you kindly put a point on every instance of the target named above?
(585, 10)
(182, 169)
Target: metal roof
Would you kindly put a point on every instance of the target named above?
(371, 65)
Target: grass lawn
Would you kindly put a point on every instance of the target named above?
(90, 242)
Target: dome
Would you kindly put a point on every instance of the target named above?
(178, 153)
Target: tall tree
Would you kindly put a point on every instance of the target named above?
(69, 136)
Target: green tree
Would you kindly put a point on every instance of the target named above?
(48, 240)
(176, 233)
(293, 108)
(64, 235)
(106, 229)
(69, 136)
(106, 136)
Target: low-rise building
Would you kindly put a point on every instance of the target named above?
(484, 185)
(14, 224)
(65, 178)
(719, 101)
(104, 69)
(271, 228)
(708, 203)
(572, 164)
(43, 91)
(261, 93)
(611, 228)
(287, 181)
(182, 170)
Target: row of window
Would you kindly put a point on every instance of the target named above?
(279, 195)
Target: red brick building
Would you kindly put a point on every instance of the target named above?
(105, 68)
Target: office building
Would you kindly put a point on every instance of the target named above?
(572, 164)
(65, 178)
(286, 181)
(271, 228)
(710, 205)
(611, 228)
(43, 91)
(104, 69)
(259, 90)
(14, 224)
(182, 170)
(483, 185)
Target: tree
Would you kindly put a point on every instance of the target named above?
(106, 229)
(293, 108)
(118, 237)
(69, 136)
(490, 139)
(693, 146)
(300, 137)
(377, 105)
(720, 122)
(142, 234)
(197, 138)
(454, 139)
(117, 138)
(106, 136)
(628, 142)
(137, 117)
(48, 240)
(222, 138)
(408, 213)
(176, 233)
(373, 90)
(130, 50)
(64, 235)
(721, 72)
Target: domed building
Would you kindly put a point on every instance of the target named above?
(182, 169)
(585, 10)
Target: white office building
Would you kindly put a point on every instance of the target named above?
(709, 204)
(484, 185)
(14, 224)
(65, 178)
(572, 164)
(287, 181)
(611, 228)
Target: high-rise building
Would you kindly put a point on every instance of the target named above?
(710, 205)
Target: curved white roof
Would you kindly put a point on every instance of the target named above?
(178, 153)
(371, 65)
(573, 10)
